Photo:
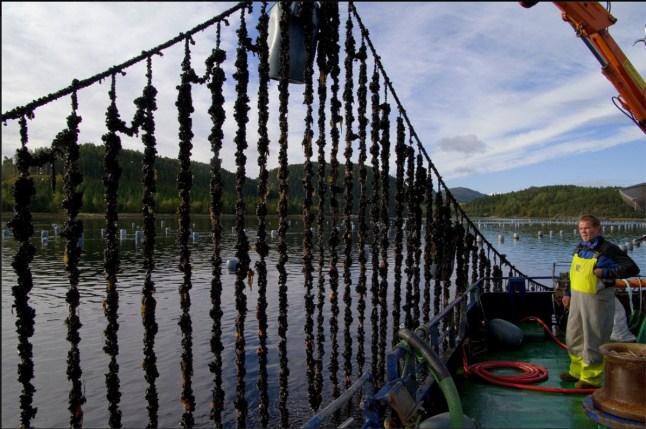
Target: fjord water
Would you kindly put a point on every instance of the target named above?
(530, 253)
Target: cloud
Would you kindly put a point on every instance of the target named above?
(463, 144)
(519, 80)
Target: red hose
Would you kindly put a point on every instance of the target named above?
(529, 373)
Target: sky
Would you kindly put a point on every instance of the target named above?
(502, 97)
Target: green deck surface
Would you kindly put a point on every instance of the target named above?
(501, 407)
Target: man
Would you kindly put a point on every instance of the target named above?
(596, 264)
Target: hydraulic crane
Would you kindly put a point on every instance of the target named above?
(590, 21)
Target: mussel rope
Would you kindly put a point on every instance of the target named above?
(184, 105)
(385, 223)
(460, 278)
(438, 250)
(391, 89)
(428, 248)
(323, 69)
(410, 249)
(73, 231)
(400, 195)
(146, 105)
(218, 115)
(482, 264)
(487, 275)
(362, 96)
(23, 230)
(420, 183)
(308, 191)
(241, 109)
(447, 263)
(261, 210)
(350, 136)
(282, 211)
(470, 255)
(497, 277)
(474, 258)
(111, 175)
(374, 215)
(335, 106)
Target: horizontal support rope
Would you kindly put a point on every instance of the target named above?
(28, 109)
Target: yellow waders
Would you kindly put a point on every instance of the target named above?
(590, 320)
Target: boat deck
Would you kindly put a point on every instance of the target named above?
(501, 407)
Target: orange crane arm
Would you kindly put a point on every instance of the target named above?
(590, 21)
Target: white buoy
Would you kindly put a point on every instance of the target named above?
(232, 264)
(550, 233)
(561, 233)
(139, 236)
(516, 236)
(273, 234)
(574, 231)
(122, 234)
(196, 236)
(501, 238)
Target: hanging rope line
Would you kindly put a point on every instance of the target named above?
(335, 117)
(218, 115)
(283, 172)
(400, 197)
(308, 190)
(241, 109)
(362, 96)
(410, 245)
(385, 222)
(73, 231)
(438, 238)
(23, 230)
(350, 136)
(420, 183)
(147, 104)
(184, 184)
(428, 248)
(323, 65)
(261, 210)
(377, 371)
(111, 176)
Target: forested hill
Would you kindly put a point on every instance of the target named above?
(554, 202)
(167, 169)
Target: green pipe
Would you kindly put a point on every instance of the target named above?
(441, 375)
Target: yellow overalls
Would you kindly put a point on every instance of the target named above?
(590, 320)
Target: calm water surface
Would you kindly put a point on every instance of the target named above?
(529, 253)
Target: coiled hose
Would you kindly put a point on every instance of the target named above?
(529, 373)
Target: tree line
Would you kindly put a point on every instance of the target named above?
(49, 199)
(545, 202)
(554, 202)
